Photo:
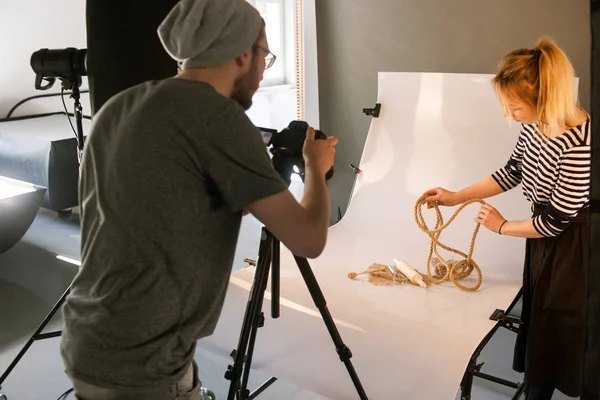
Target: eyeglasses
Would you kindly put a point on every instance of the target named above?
(269, 58)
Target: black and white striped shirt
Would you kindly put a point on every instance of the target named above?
(555, 173)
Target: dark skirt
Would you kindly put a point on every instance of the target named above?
(550, 348)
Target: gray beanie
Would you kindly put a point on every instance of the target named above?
(203, 33)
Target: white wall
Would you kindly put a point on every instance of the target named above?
(358, 39)
(311, 71)
(25, 27)
(29, 25)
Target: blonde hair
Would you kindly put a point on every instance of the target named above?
(542, 77)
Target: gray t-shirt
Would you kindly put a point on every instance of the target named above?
(167, 170)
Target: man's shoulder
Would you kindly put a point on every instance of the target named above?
(160, 98)
(170, 90)
(128, 99)
(200, 100)
(191, 91)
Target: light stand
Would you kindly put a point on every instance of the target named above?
(73, 85)
(78, 118)
(473, 369)
(239, 371)
(38, 335)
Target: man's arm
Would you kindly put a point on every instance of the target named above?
(301, 227)
(236, 160)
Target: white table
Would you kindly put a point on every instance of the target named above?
(19, 204)
(407, 342)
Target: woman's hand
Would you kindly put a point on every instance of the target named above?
(490, 218)
(441, 196)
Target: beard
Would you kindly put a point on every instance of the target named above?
(245, 87)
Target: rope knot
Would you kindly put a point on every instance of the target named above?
(453, 271)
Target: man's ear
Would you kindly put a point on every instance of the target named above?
(244, 59)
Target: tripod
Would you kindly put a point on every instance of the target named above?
(239, 372)
(38, 335)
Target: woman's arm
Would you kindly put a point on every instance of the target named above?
(492, 219)
(523, 229)
(502, 180)
(482, 190)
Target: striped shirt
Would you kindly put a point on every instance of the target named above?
(554, 172)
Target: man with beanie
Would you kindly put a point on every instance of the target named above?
(168, 169)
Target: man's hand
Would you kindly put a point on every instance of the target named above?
(490, 218)
(319, 153)
(440, 196)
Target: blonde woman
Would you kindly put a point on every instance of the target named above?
(552, 162)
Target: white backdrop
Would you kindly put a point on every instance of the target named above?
(407, 342)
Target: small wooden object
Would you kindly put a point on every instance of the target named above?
(380, 275)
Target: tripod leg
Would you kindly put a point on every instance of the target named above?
(261, 388)
(317, 296)
(260, 318)
(275, 279)
(252, 319)
(37, 335)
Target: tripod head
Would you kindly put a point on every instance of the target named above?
(286, 147)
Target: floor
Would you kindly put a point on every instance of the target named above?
(32, 279)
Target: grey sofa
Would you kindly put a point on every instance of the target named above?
(42, 150)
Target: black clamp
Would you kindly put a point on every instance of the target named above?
(511, 323)
(344, 352)
(250, 262)
(374, 112)
(355, 168)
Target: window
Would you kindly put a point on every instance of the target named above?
(279, 28)
(289, 89)
(272, 13)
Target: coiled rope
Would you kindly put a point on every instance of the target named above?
(445, 270)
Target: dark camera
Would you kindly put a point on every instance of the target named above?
(286, 147)
(68, 65)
